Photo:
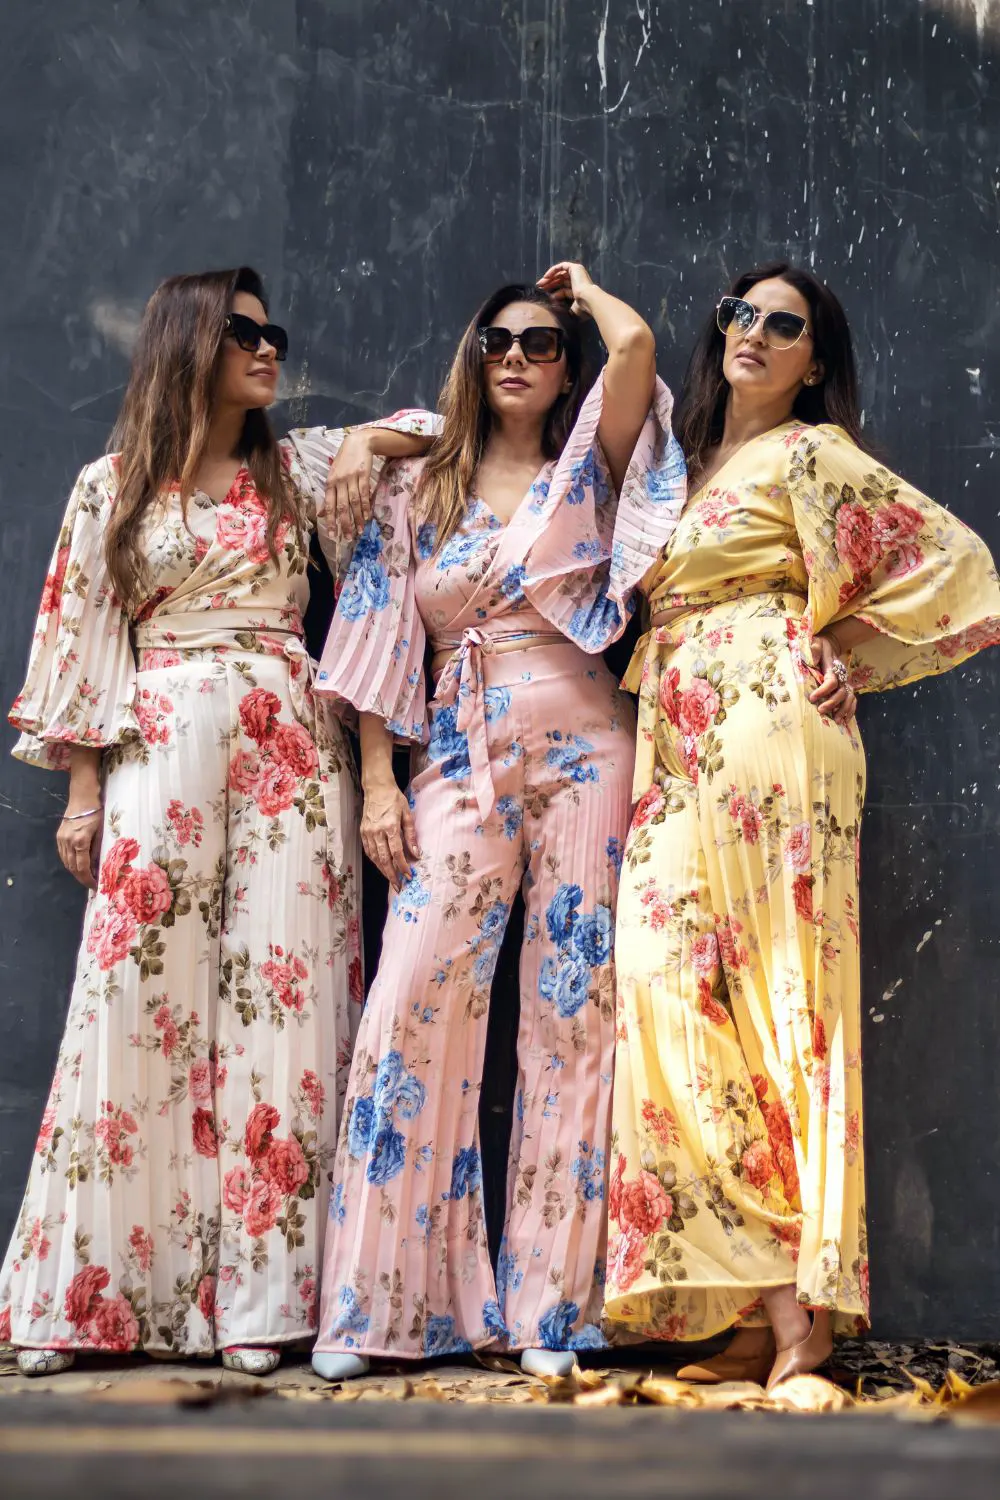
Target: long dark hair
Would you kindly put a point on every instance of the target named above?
(163, 424)
(701, 410)
(453, 459)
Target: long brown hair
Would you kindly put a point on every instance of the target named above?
(163, 424)
(701, 411)
(442, 493)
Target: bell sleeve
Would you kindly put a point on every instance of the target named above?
(877, 549)
(81, 679)
(308, 454)
(373, 659)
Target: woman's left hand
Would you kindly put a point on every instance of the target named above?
(834, 697)
(568, 281)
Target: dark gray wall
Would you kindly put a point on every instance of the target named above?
(385, 163)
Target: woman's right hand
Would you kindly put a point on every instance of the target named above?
(79, 845)
(348, 485)
(389, 833)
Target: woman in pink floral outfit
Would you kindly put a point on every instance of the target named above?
(177, 1195)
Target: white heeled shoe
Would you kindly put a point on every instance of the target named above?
(44, 1361)
(549, 1361)
(340, 1366)
(246, 1359)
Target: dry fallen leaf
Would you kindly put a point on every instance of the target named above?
(168, 1392)
(810, 1393)
(979, 1403)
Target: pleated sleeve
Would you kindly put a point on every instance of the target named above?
(81, 679)
(373, 660)
(308, 454)
(877, 549)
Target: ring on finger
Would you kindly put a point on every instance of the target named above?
(840, 671)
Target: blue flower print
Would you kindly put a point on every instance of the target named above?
(466, 1173)
(485, 964)
(366, 587)
(361, 1128)
(426, 537)
(338, 1208)
(548, 974)
(509, 1278)
(581, 479)
(588, 1173)
(511, 584)
(493, 1322)
(440, 1338)
(587, 1337)
(560, 915)
(554, 1326)
(448, 744)
(596, 627)
(350, 1318)
(458, 549)
(496, 702)
(510, 810)
(592, 936)
(572, 986)
(568, 755)
(591, 550)
(411, 1096)
(664, 481)
(388, 1156)
(616, 855)
(390, 1071)
(494, 920)
(539, 493)
(411, 899)
(423, 1219)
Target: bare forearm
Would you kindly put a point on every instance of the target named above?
(850, 633)
(84, 777)
(386, 442)
(376, 753)
(620, 326)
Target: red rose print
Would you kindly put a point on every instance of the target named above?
(153, 710)
(164, 1023)
(705, 953)
(257, 1136)
(203, 1135)
(206, 1297)
(645, 1205)
(864, 1285)
(760, 1086)
(244, 768)
(903, 560)
(819, 1039)
(897, 523)
(661, 1124)
(709, 1006)
(112, 1131)
(113, 1326)
(83, 1293)
(649, 806)
(852, 1135)
(757, 1165)
(5, 1324)
(37, 1243)
(821, 1086)
(200, 1080)
(243, 530)
(626, 1255)
(145, 893)
(116, 863)
(46, 1130)
(285, 1166)
(112, 933)
(798, 848)
(259, 711)
(856, 542)
(141, 1245)
(313, 1092)
(275, 788)
(615, 1187)
(698, 707)
(235, 1189)
(779, 1133)
(802, 894)
(154, 659)
(262, 1207)
(292, 745)
(669, 683)
(187, 825)
(355, 982)
(52, 592)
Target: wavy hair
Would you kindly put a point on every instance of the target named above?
(451, 464)
(701, 411)
(162, 428)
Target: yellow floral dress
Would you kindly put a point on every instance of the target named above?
(737, 1136)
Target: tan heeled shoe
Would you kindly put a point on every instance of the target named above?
(802, 1358)
(725, 1367)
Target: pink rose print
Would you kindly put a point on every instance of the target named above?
(713, 512)
(164, 1022)
(187, 825)
(145, 893)
(852, 1134)
(705, 953)
(259, 711)
(236, 1189)
(112, 933)
(203, 1135)
(627, 1254)
(709, 1006)
(83, 1293)
(820, 1047)
(645, 1205)
(244, 768)
(903, 560)
(257, 1136)
(313, 1093)
(292, 746)
(355, 982)
(802, 895)
(649, 806)
(285, 1166)
(113, 1326)
(750, 818)
(275, 788)
(798, 848)
(856, 542)
(698, 707)
(141, 1245)
(46, 1130)
(262, 1207)
(37, 1242)
(153, 711)
(615, 1189)
(864, 1286)
(116, 863)
(669, 684)
(52, 592)
(5, 1324)
(661, 1124)
(112, 1131)
(284, 978)
(200, 1080)
(206, 1297)
(897, 523)
(154, 659)
(757, 1165)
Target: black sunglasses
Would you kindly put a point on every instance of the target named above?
(540, 346)
(249, 334)
(779, 330)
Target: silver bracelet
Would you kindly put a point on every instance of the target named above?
(75, 817)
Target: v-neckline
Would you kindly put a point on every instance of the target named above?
(501, 523)
(695, 494)
(236, 479)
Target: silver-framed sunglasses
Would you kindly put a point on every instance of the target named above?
(736, 316)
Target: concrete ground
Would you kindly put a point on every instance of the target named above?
(139, 1429)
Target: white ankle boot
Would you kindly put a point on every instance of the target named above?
(548, 1361)
(44, 1361)
(340, 1366)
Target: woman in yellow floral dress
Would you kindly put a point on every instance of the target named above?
(800, 570)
